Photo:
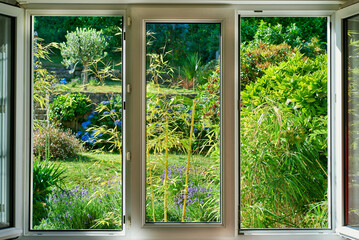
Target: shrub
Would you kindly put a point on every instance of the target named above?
(103, 127)
(79, 208)
(255, 59)
(46, 175)
(284, 145)
(69, 107)
(54, 143)
(282, 173)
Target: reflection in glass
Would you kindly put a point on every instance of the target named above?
(6, 77)
(352, 163)
(183, 123)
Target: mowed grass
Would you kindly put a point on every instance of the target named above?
(89, 169)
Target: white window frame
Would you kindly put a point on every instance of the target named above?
(19, 184)
(339, 48)
(331, 199)
(136, 111)
(28, 210)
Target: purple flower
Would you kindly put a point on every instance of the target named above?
(195, 130)
(113, 110)
(106, 113)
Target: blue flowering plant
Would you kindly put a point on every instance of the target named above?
(102, 130)
(202, 199)
(84, 208)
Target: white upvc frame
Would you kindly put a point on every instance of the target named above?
(331, 174)
(33, 234)
(136, 114)
(19, 151)
(339, 48)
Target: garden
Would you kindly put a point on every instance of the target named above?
(78, 124)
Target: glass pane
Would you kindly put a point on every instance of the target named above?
(183, 161)
(6, 77)
(77, 123)
(352, 127)
(283, 123)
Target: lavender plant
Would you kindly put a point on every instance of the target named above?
(81, 208)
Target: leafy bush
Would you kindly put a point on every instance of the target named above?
(255, 59)
(78, 208)
(69, 107)
(282, 173)
(54, 143)
(103, 127)
(46, 175)
(284, 145)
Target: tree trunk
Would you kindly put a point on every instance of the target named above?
(85, 76)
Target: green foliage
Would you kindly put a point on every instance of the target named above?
(76, 208)
(190, 69)
(53, 143)
(300, 83)
(203, 189)
(282, 173)
(60, 25)
(307, 27)
(103, 127)
(182, 39)
(83, 46)
(43, 80)
(284, 145)
(255, 59)
(46, 175)
(69, 107)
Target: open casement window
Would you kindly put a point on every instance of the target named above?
(285, 167)
(347, 89)
(78, 117)
(11, 74)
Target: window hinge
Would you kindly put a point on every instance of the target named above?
(129, 88)
(128, 21)
(124, 219)
(128, 156)
(124, 36)
(124, 105)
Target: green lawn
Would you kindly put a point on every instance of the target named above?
(91, 168)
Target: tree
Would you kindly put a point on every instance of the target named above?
(83, 46)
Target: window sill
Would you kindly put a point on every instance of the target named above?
(9, 233)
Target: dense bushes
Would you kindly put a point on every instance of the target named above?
(284, 144)
(54, 143)
(69, 107)
(257, 58)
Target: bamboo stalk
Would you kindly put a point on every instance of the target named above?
(188, 163)
(150, 177)
(166, 171)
